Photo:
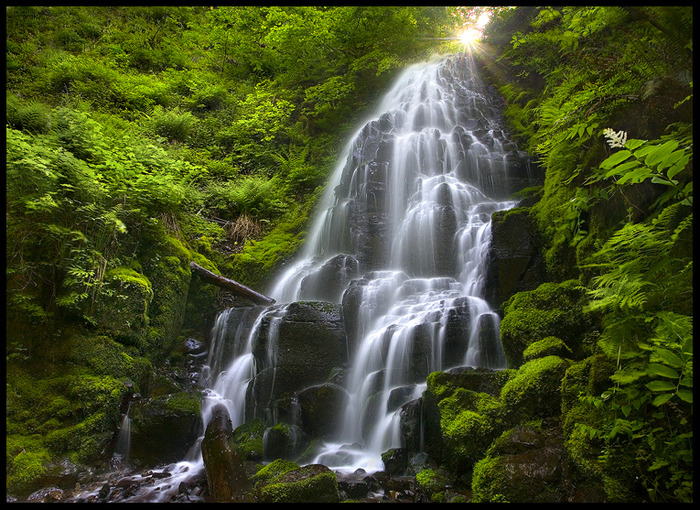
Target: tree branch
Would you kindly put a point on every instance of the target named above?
(233, 286)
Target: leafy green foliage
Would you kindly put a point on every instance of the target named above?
(573, 71)
(648, 330)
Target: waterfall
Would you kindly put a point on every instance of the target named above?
(122, 447)
(405, 220)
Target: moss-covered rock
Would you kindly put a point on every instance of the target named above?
(553, 309)
(437, 485)
(535, 390)
(121, 310)
(63, 405)
(163, 428)
(283, 440)
(248, 438)
(515, 260)
(528, 464)
(550, 346)
(460, 423)
(313, 483)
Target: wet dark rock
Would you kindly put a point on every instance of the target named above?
(328, 282)
(515, 259)
(226, 477)
(194, 346)
(395, 461)
(164, 427)
(48, 495)
(307, 345)
(321, 407)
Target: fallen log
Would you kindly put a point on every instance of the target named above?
(231, 285)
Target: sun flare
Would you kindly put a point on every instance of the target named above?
(469, 36)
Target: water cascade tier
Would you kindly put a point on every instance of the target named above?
(389, 286)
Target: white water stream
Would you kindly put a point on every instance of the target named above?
(420, 180)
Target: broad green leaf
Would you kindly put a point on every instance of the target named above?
(636, 176)
(662, 399)
(661, 152)
(660, 180)
(661, 386)
(615, 159)
(644, 151)
(685, 395)
(633, 143)
(669, 357)
(624, 167)
(672, 159)
(662, 371)
(678, 167)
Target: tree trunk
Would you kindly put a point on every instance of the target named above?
(230, 285)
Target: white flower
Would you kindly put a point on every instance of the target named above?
(615, 139)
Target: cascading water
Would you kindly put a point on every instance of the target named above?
(404, 228)
(409, 208)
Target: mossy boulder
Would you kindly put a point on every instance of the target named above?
(284, 482)
(528, 464)
(283, 440)
(550, 346)
(591, 377)
(163, 428)
(248, 438)
(515, 259)
(121, 309)
(534, 391)
(461, 423)
(552, 309)
(435, 483)
(226, 477)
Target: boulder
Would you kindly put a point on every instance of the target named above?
(461, 415)
(163, 428)
(321, 406)
(328, 282)
(515, 262)
(552, 309)
(297, 346)
(226, 476)
(395, 461)
(313, 483)
(283, 441)
(534, 392)
(530, 465)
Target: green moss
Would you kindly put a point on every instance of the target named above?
(549, 346)
(552, 309)
(273, 470)
(122, 307)
(25, 467)
(308, 484)
(248, 439)
(535, 391)
(488, 480)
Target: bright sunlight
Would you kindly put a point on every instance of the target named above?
(472, 33)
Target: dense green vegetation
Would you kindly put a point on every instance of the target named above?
(602, 96)
(141, 138)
